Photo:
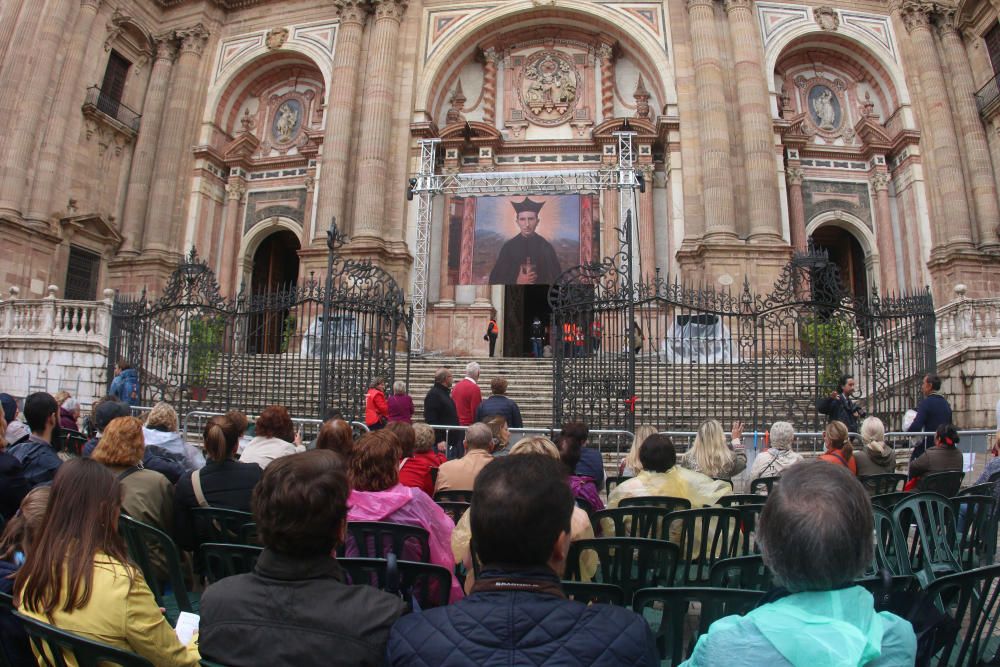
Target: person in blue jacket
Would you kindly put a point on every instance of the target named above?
(815, 534)
(933, 411)
(125, 386)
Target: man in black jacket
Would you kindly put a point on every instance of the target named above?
(838, 406)
(295, 608)
(439, 410)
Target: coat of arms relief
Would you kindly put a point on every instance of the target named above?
(548, 87)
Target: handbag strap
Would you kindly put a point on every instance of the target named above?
(199, 494)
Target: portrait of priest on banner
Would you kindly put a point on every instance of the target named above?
(521, 240)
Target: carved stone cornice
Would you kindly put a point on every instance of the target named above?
(916, 14)
(193, 39)
(794, 175)
(93, 4)
(352, 11)
(390, 9)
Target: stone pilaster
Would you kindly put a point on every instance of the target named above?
(647, 227)
(41, 204)
(235, 192)
(977, 152)
(883, 224)
(796, 207)
(605, 56)
(9, 13)
(490, 85)
(755, 113)
(162, 229)
(716, 152)
(29, 107)
(376, 116)
(337, 132)
(939, 126)
(144, 158)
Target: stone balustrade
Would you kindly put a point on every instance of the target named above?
(966, 324)
(56, 319)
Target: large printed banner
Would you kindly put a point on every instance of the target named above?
(518, 240)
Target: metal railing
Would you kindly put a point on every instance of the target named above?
(988, 94)
(113, 108)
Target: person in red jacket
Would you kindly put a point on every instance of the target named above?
(467, 395)
(376, 406)
(416, 470)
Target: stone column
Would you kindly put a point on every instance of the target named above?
(940, 127)
(716, 154)
(604, 54)
(490, 86)
(9, 13)
(340, 117)
(29, 107)
(235, 190)
(647, 228)
(796, 209)
(977, 151)
(376, 116)
(755, 114)
(143, 159)
(883, 224)
(69, 89)
(161, 231)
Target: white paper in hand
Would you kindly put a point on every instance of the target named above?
(187, 626)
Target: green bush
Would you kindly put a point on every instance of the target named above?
(831, 341)
(204, 347)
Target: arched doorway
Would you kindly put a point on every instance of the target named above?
(846, 252)
(275, 271)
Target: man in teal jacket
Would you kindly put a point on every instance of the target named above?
(816, 537)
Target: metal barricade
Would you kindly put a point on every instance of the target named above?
(193, 424)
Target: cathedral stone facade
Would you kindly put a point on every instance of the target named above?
(137, 129)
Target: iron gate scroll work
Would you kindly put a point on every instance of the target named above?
(308, 347)
(680, 355)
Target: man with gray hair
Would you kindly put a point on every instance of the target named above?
(460, 474)
(467, 394)
(816, 537)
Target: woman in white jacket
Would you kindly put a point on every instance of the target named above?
(779, 454)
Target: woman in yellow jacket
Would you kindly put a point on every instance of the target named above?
(77, 576)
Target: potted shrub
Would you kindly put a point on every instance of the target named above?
(204, 346)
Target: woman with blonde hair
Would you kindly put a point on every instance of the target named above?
(838, 446)
(710, 455)
(631, 466)
(875, 457)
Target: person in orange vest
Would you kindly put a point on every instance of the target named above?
(578, 340)
(596, 332)
(567, 339)
(492, 331)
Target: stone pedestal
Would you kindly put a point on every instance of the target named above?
(722, 265)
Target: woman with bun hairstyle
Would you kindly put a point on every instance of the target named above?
(838, 447)
(875, 457)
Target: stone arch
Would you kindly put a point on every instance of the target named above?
(256, 235)
(442, 67)
(861, 233)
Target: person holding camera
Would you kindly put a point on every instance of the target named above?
(839, 406)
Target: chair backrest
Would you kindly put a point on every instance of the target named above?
(8, 659)
(744, 572)
(376, 539)
(628, 562)
(139, 538)
(453, 508)
(221, 560)
(749, 520)
(429, 585)
(890, 551)
(248, 534)
(946, 483)
(977, 523)
(763, 485)
(591, 593)
(453, 495)
(668, 503)
(886, 591)
(54, 644)
(611, 482)
(637, 521)
(705, 536)
(219, 525)
(734, 499)
(934, 550)
(984, 489)
(877, 485)
(972, 601)
(666, 611)
(889, 500)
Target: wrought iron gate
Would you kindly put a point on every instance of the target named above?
(308, 347)
(673, 356)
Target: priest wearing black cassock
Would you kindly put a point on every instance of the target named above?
(526, 259)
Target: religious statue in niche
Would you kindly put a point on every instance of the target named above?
(548, 87)
(824, 108)
(287, 121)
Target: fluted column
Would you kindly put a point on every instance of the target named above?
(977, 151)
(490, 86)
(883, 223)
(29, 108)
(647, 228)
(69, 89)
(755, 114)
(340, 116)
(144, 157)
(796, 208)
(235, 190)
(9, 13)
(716, 153)
(16, 63)
(161, 229)
(940, 127)
(376, 117)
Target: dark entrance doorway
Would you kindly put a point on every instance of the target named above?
(522, 303)
(275, 268)
(845, 251)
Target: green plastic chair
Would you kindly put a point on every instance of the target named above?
(972, 601)
(984, 489)
(219, 525)
(668, 503)
(749, 520)
(635, 521)
(946, 483)
(221, 560)
(630, 563)
(884, 590)
(428, 584)
(376, 539)
(978, 541)
(666, 610)
(705, 536)
(454, 496)
(248, 534)
(877, 485)
(174, 596)
(743, 572)
(934, 550)
(611, 482)
(736, 499)
(890, 551)
(591, 593)
(53, 644)
(889, 500)
(766, 482)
